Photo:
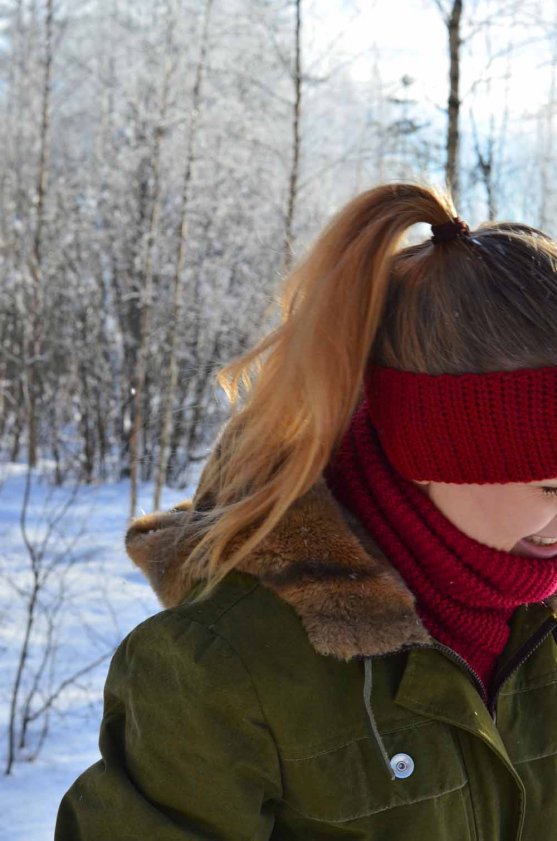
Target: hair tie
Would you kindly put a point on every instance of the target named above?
(450, 230)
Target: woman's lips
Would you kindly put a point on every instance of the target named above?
(532, 550)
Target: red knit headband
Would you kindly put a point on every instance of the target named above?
(466, 428)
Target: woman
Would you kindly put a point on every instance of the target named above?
(359, 638)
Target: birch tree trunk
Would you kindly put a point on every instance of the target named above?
(453, 132)
(146, 294)
(34, 325)
(295, 165)
(169, 383)
(546, 127)
(452, 19)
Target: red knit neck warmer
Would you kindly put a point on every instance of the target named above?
(465, 590)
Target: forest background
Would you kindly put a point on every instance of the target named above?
(163, 163)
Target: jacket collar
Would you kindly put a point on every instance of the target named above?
(319, 558)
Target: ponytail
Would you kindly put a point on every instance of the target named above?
(302, 381)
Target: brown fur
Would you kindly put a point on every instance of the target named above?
(319, 559)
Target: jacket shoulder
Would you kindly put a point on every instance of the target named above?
(250, 617)
(288, 673)
(180, 710)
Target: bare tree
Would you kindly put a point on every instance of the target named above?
(34, 339)
(44, 566)
(146, 280)
(452, 17)
(547, 139)
(169, 383)
(153, 185)
(296, 140)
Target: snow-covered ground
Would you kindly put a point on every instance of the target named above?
(105, 596)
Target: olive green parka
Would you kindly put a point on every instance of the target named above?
(306, 700)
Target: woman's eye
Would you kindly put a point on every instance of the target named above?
(549, 491)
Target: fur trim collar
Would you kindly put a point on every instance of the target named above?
(319, 558)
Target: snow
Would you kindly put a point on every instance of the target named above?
(105, 597)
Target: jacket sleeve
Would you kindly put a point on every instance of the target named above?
(186, 753)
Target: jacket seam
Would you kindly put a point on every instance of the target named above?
(458, 744)
(410, 726)
(534, 758)
(366, 738)
(216, 634)
(472, 830)
(382, 809)
(225, 610)
(528, 688)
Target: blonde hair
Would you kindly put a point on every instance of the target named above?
(481, 304)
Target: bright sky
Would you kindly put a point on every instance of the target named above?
(412, 39)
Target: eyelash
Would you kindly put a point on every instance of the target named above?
(549, 491)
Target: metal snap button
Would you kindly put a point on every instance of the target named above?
(402, 765)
